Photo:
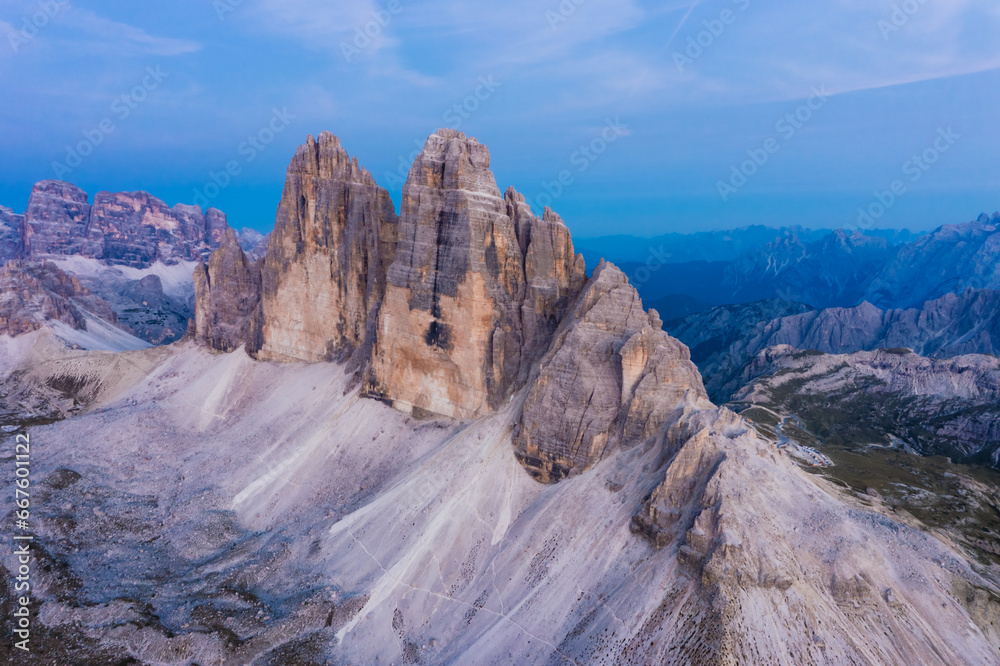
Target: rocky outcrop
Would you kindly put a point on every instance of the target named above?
(126, 229)
(477, 286)
(227, 298)
(33, 294)
(10, 234)
(333, 241)
(930, 406)
(724, 340)
(611, 378)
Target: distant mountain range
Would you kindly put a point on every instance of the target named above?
(725, 340)
(822, 269)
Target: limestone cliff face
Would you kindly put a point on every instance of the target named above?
(324, 273)
(57, 220)
(126, 229)
(227, 298)
(137, 229)
(464, 312)
(611, 378)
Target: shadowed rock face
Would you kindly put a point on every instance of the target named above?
(227, 298)
(611, 378)
(32, 294)
(10, 234)
(126, 229)
(477, 288)
(333, 241)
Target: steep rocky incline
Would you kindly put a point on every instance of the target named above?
(668, 531)
(323, 527)
(934, 407)
(333, 241)
(33, 294)
(611, 378)
(343, 278)
(725, 340)
(228, 289)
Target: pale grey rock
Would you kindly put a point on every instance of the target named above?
(253, 243)
(611, 378)
(57, 221)
(32, 294)
(127, 229)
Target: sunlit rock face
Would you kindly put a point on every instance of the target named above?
(611, 378)
(476, 290)
(324, 273)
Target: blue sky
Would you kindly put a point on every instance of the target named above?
(644, 109)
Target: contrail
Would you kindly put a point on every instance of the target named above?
(681, 24)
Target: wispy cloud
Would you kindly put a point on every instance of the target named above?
(79, 31)
(98, 34)
(772, 51)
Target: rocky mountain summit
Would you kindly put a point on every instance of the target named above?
(447, 444)
(344, 277)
